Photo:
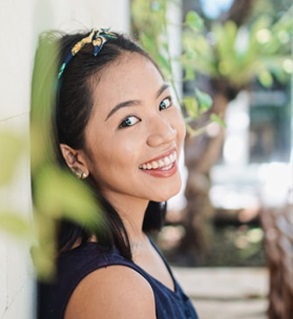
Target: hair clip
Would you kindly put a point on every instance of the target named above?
(97, 37)
(100, 38)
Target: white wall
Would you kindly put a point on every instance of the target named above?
(21, 21)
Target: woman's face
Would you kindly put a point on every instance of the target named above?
(135, 133)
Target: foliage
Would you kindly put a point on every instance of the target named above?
(242, 54)
(272, 8)
(56, 193)
(15, 147)
(236, 55)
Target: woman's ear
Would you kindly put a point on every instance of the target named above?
(75, 160)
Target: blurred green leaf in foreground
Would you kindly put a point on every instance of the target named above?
(13, 148)
(57, 193)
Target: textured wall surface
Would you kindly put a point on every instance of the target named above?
(21, 22)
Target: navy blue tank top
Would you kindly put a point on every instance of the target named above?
(74, 265)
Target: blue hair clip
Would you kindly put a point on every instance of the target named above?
(97, 37)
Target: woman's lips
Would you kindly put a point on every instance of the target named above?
(161, 167)
(165, 171)
(160, 163)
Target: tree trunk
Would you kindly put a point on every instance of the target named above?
(201, 153)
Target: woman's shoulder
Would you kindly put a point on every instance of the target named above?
(71, 268)
(85, 255)
(76, 263)
(112, 292)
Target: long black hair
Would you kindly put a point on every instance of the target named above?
(71, 111)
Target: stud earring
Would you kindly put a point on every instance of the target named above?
(79, 173)
(83, 175)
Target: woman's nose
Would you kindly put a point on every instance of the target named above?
(161, 131)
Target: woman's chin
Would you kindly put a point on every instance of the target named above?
(167, 194)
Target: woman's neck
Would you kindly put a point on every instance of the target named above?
(131, 211)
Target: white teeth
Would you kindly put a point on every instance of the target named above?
(167, 160)
(164, 163)
(166, 167)
(161, 163)
(155, 164)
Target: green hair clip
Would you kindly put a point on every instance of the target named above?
(97, 37)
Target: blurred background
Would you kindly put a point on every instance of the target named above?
(229, 233)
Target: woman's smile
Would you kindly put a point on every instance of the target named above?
(165, 171)
(161, 166)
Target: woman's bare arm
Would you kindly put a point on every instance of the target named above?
(111, 293)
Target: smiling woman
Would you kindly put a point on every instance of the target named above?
(117, 128)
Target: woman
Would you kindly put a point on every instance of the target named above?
(117, 128)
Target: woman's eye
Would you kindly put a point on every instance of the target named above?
(129, 121)
(166, 103)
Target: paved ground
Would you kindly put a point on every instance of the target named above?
(226, 293)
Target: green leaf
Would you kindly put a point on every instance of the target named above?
(265, 78)
(191, 106)
(148, 42)
(15, 224)
(44, 261)
(189, 73)
(216, 118)
(11, 147)
(204, 100)
(194, 21)
(58, 194)
(164, 64)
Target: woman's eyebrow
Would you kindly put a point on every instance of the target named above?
(134, 102)
(121, 105)
(162, 89)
